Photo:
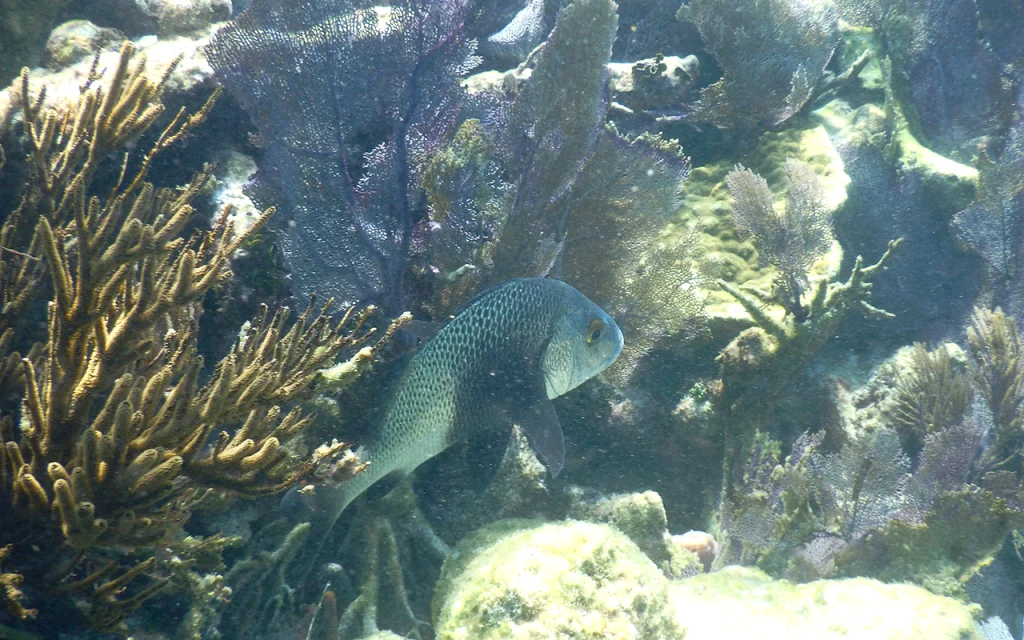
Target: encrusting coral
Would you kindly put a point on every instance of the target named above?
(117, 437)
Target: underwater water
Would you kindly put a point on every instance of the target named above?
(472, 319)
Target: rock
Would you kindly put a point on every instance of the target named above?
(527, 579)
(234, 171)
(180, 17)
(23, 28)
(661, 82)
(63, 86)
(641, 516)
(902, 189)
(740, 602)
(74, 40)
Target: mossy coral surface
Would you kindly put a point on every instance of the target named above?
(526, 579)
(740, 602)
(705, 203)
(529, 579)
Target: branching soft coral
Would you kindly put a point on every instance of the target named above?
(117, 437)
(759, 364)
(998, 354)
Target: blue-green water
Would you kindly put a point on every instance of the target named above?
(804, 216)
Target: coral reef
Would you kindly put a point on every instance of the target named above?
(563, 106)
(996, 350)
(174, 17)
(901, 188)
(641, 516)
(23, 29)
(76, 40)
(525, 187)
(710, 172)
(705, 205)
(993, 224)
(757, 366)
(930, 43)
(930, 394)
(792, 239)
(518, 578)
(890, 510)
(347, 186)
(260, 595)
(60, 88)
(117, 439)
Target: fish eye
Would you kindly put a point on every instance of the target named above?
(594, 330)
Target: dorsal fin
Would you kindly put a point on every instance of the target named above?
(479, 294)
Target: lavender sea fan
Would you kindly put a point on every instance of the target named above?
(346, 96)
(615, 252)
(863, 486)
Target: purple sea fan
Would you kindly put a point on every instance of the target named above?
(862, 487)
(346, 97)
(945, 464)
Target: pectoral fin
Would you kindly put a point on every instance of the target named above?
(485, 450)
(536, 416)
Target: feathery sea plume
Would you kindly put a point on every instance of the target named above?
(790, 239)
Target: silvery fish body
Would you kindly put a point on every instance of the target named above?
(499, 361)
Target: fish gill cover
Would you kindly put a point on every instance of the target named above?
(324, 79)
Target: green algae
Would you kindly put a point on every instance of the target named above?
(705, 204)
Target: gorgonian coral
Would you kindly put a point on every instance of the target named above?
(772, 53)
(118, 436)
(348, 100)
(791, 239)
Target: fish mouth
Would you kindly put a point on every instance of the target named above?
(616, 352)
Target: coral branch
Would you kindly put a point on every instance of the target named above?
(113, 451)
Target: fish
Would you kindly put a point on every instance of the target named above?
(500, 360)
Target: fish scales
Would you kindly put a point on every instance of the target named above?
(501, 359)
